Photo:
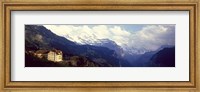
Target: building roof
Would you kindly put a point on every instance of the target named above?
(41, 51)
(47, 51)
(57, 51)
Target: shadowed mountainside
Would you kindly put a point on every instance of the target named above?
(38, 37)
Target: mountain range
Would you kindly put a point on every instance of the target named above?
(38, 37)
(101, 52)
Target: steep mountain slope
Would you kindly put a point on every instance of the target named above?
(164, 58)
(38, 37)
(109, 44)
(143, 59)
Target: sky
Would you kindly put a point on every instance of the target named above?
(137, 36)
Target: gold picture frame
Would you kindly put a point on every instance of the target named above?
(96, 5)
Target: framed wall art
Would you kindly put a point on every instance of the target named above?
(101, 45)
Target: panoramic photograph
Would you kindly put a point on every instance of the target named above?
(100, 45)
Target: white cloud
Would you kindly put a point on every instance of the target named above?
(150, 37)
